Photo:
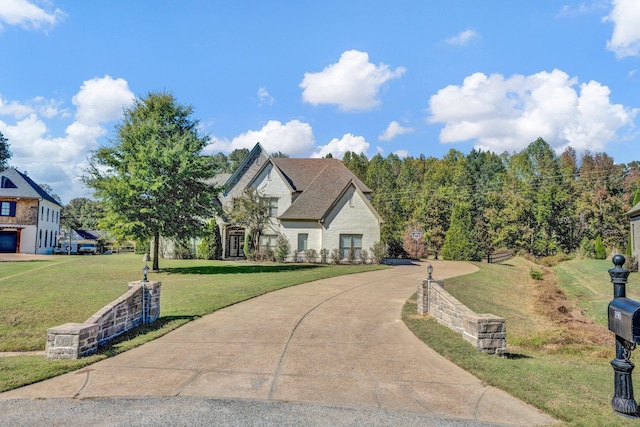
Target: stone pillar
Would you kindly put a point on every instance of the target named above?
(71, 341)
(423, 296)
(150, 307)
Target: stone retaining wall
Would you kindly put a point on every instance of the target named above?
(486, 332)
(140, 305)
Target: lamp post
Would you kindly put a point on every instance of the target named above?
(429, 271)
(145, 269)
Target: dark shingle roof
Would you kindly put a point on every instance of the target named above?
(32, 191)
(319, 183)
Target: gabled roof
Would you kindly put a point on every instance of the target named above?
(25, 187)
(233, 179)
(318, 182)
(634, 211)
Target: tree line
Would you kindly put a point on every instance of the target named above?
(533, 201)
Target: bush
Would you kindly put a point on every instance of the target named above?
(351, 257)
(142, 247)
(182, 250)
(631, 263)
(395, 249)
(324, 256)
(211, 245)
(378, 252)
(312, 255)
(599, 249)
(364, 256)
(535, 273)
(335, 256)
(283, 249)
(586, 248)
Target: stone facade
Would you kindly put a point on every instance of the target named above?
(486, 332)
(140, 305)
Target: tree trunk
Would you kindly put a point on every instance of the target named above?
(156, 251)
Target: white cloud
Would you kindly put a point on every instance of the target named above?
(338, 147)
(401, 153)
(27, 15)
(462, 38)
(59, 161)
(506, 114)
(393, 130)
(625, 40)
(293, 138)
(264, 97)
(102, 99)
(352, 83)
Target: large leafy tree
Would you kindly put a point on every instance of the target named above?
(151, 179)
(5, 153)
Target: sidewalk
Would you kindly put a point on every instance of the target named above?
(337, 342)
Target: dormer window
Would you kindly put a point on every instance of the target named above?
(7, 183)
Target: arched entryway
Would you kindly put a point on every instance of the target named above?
(234, 242)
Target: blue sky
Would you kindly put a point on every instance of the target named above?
(307, 78)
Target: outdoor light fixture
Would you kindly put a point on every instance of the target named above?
(429, 271)
(145, 269)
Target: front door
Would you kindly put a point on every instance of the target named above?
(236, 243)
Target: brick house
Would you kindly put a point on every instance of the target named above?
(29, 216)
(314, 203)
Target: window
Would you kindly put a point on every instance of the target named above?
(268, 241)
(47, 214)
(42, 213)
(351, 200)
(40, 240)
(302, 242)
(273, 207)
(7, 208)
(7, 183)
(350, 242)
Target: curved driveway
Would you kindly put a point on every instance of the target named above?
(338, 342)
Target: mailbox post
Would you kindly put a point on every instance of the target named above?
(624, 320)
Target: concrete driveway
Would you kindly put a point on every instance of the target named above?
(337, 342)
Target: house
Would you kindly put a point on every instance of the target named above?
(634, 219)
(315, 204)
(29, 216)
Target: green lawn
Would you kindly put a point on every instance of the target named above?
(553, 366)
(38, 295)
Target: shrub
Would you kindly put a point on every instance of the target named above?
(211, 245)
(312, 255)
(335, 256)
(599, 249)
(182, 250)
(283, 249)
(395, 249)
(378, 252)
(324, 256)
(586, 248)
(535, 273)
(364, 256)
(351, 256)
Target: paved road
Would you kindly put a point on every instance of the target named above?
(330, 352)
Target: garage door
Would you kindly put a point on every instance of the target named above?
(8, 241)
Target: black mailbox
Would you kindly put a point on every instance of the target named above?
(624, 318)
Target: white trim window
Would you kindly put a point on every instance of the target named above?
(303, 239)
(350, 242)
(273, 207)
(268, 241)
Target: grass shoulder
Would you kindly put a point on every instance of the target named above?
(558, 354)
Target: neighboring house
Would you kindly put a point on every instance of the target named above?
(69, 242)
(634, 219)
(314, 203)
(29, 216)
